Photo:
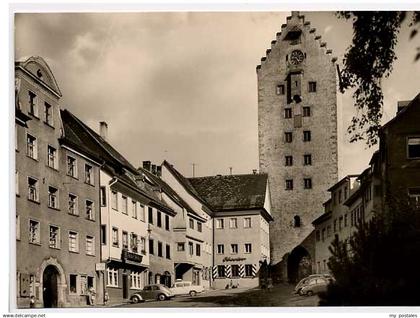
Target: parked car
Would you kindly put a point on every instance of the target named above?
(186, 288)
(314, 286)
(149, 292)
(305, 280)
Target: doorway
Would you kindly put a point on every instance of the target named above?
(50, 286)
(125, 285)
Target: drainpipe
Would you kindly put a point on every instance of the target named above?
(212, 255)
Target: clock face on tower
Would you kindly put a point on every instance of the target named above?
(296, 57)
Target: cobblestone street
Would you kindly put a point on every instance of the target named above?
(279, 296)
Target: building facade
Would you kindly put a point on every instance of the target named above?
(241, 216)
(297, 133)
(57, 206)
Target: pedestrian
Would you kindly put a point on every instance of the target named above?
(106, 298)
(32, 302)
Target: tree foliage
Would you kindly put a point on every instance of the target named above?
(368, 60)
(378, 266)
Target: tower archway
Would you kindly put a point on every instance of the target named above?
(299, 264)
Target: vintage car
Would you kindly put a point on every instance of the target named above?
(152, 292)
(314, 286)
(186, 288)
(305, 280)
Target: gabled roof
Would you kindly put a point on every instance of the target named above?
(79, 134)
(414, 103)
(323, 217)
(168, 190)
(232, 192)
(345, 179)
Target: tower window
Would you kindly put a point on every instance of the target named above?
(306, 135)
(280, 90)
(289, 184)
(288, 137)
(307, 160)
(312, 87)
(287, 113)
(307, 183)
(296, 221)
(289, 160)
(306, 111)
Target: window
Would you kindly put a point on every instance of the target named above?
(73, 284)
(88, 174)
(296, 221)
(103, 196)
(142, 213)
(233, 223)
(235, 270)
(312, 87)
(280, 90)
(151, 247)
(124, 205)
(180, 247)
(199, 227)
(220, 224)
(90, 245)
(33, 189)
(52, 161)
(307, 160)
(48, 112)
(17, 182)
(150, 215)
(247, 222)
(306, 111)
(191, 222)
(340, 223)
(143, 245)
(414, 195)
(287, 113)
(288, 137)
(289, 184)
(134, 209)
(248, 247)
(340, 196)
(33, 104)
(134, 243)
(167, 224)
(135, 280)
(345, 220)
(323, 235)
(159, 219)
(345, 192)
(54, 237)
(90, 211)
(114, 200)
(248, 270)
(83, 285)
(31, 147)
(124, 239)
(198, 249)
(234, 248)
(103, 234)
(221, 271)
(71, 167)
(168, 251)
(413, 147)
(191, 248)
(112, 275)
(115, 237)
(318, 235)
(306, 135)
(307, 183)
(73, 241)
(160, 249)
(18, 227)
(52, 197)
(73, 204)
(220, 249)
(288, 160)
(328, 230)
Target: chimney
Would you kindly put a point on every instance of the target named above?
(254, 171)
(103, 130)
(401, 105)
(154, 169)
(159, 171)
(146, 165)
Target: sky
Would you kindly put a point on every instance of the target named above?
(182, 86)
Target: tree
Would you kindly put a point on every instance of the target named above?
(368, 60)
(378, 266)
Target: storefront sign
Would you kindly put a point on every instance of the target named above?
(129, 256)
(100, 267)
(233, 259)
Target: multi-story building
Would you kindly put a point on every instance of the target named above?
(125, 212)
(57, 199)
(297, 124)
(241, 215)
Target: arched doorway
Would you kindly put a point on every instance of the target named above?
(299, 264)
(50, 286)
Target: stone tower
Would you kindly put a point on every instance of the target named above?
(297, 134)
